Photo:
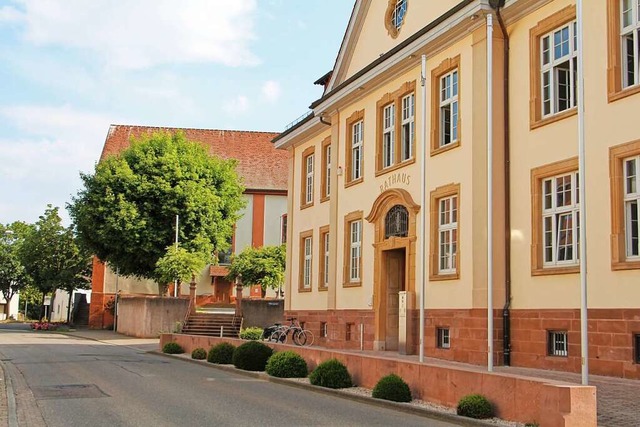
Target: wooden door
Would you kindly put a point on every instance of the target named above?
(394, 283)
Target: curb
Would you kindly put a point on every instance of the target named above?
(12, 413)
(401, 407)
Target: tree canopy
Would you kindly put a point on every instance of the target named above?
(13, 276)
(51, 256)
(179, 264)
(259, 266)
(125, 214)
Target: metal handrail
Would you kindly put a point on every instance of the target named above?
(298, 120)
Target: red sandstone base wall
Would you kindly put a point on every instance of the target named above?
(611, 332)
(516, 398)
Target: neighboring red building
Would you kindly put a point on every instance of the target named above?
(264, 171)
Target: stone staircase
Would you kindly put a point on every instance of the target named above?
(213, 324)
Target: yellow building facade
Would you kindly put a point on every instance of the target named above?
(355, 268)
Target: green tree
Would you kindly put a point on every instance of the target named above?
(126, 211)
(179, 264)
(259, 266)
(13, 276)
(52, 258)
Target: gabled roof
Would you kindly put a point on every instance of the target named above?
(261, 166)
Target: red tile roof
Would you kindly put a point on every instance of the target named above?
(261, 166)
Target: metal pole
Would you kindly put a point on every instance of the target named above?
(490, 192)
(115, 306)
(175, 283)
(423, 201)
(584, 343)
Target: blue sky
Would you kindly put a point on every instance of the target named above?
(69, 68)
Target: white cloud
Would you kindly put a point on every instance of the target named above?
(238, 105)
(10, 14)
(136, 34)
(271, 91)
(43, 165)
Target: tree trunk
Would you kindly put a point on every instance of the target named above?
(41, 307)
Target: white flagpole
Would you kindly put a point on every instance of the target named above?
(584, 339)
(423, 202)
(489, 192)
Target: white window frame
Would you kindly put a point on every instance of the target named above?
(328, 170)
(325, 277)
(558, 343)
(408, 123)
(550, 69)
(553, 216)
(388, 135)
(355, 250)
(449, 90)
(444, 338)
(307, 264)
(309, 179)
(448, 234)
(399, 9)
(630, 32)
(632, 207)
(357, 130)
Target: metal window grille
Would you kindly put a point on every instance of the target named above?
(396, 222)
(558, 343)
(349, 331)
(636, 339)
(323, 330)
(444, 340)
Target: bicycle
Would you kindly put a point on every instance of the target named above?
(300, 337)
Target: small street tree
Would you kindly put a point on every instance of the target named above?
(126, 210)
(51, 257)
(13, 276)
(180, 265)
(259, 266)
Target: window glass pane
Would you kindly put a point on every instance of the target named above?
(627, 13)
(563, 88)
(445, 117)
(548, 239)
(455, 83)
(546, 92)
(545, 50)
(630, 176)
(454, 121)
(548, 198)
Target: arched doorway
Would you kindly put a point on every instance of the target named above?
(394, 218)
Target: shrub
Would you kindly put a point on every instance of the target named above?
(221, 353)
(252, 333)
(393, 388)
(331, 374)
(475, 406)
(287, 364)
(251, 356)
(172, 348)
(199, 354)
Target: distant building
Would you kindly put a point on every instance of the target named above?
(264, 171)
(11, 308)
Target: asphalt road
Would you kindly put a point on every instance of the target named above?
(61, 381)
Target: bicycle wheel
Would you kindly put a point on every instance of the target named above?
(310, 337)
(279, 336)
(299, 337)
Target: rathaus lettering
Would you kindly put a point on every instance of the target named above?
(394, 180)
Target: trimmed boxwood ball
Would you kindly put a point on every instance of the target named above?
(199, 354)
(475, 406)
(251, 356)
(221, 353)
(393, 388)
(172, 348)
(331, 374)
(287, 364)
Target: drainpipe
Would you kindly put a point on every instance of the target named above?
(506, 310)
(490, 192)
